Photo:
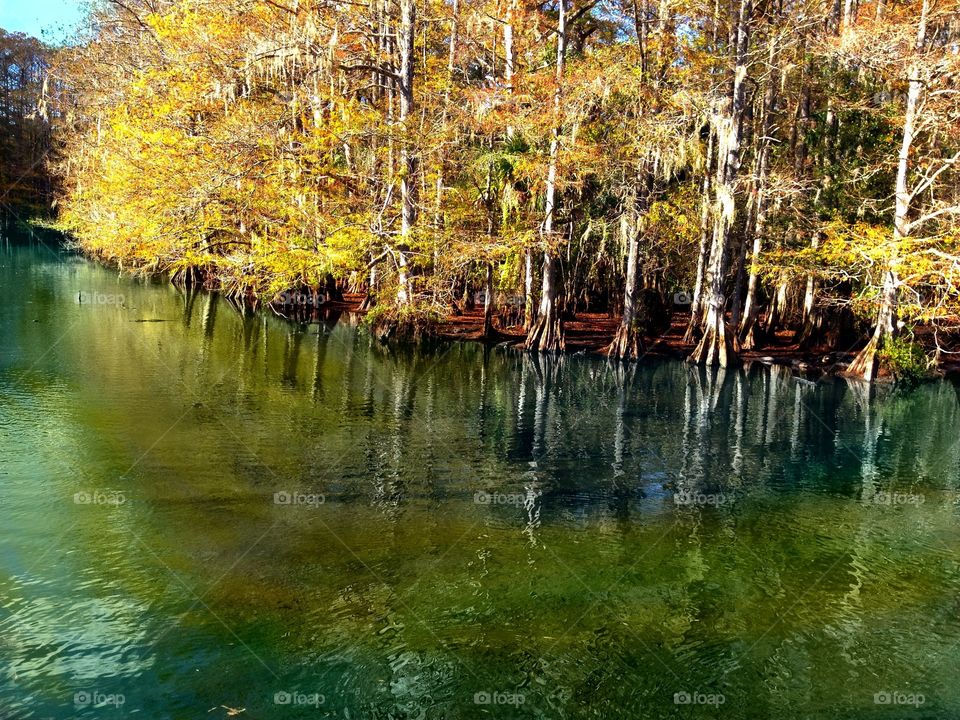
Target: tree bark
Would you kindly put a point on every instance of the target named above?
(371, 298)
(489, 331)
(441, 164)
(777, 309)
(812, 318)
(849, 14)
(509, 68)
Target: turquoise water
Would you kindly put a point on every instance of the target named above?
(202, 511)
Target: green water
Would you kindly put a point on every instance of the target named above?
(463, 522)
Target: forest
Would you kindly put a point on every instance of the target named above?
(26, 187)
(758, 172)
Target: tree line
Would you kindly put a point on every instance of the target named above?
(784, 165)
(26, 187)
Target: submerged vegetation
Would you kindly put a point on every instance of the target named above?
(788, 169)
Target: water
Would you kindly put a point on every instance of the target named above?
(469, 533)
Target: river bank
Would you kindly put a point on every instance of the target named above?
(587, 334)
(591, 334)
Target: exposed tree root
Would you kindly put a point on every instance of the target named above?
(718, 346)
(866, 365)
(627, 344)
(546, 335)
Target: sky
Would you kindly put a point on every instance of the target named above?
(50, 20)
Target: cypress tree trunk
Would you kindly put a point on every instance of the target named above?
(408, 163)
(529, 309)
(718, 346)
(748, 325)
(441, 164)
(703, 256)
(488, 304)
(546, 332)
(628, 343)
(371, 299)
(812, 318)
(866, 365)
(777, 309)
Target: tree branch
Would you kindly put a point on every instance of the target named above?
(953, 210)
(373, 68)
(932, 178)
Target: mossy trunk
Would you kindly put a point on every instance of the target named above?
(867, 363)
(546, 331)
(489, 331)
(628, 342)
(546, 334)
(718, 346)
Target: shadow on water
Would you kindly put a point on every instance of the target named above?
(204, 507)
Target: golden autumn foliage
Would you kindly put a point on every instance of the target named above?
(270, 145)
